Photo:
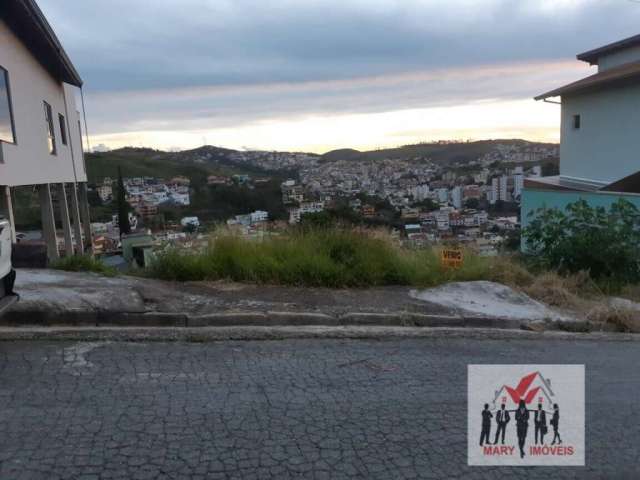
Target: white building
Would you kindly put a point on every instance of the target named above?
(600, 117)
(420, 192)
(182, 199)
(504, 193)
(456, 197)
(295, 214)
(105, 192)
(518, 183)
(492, 193)
(259, 216)
(40, 130)
(442, 219)
(599, 141)
(190, 222)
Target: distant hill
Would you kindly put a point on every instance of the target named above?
(343, 154)
(195, 164)
(439, 152)
(137, 162)
(200, 162)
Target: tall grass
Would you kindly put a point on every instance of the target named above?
(332, 258)
(83, 263)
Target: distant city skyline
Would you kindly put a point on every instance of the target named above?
(321, 74)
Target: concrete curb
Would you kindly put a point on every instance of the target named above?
(255, 333)
(92, 318)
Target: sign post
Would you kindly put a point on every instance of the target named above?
(452, 258)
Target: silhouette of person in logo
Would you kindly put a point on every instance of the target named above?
(555, 422)
(486, 425)
(502, 418)
(522, 425)
(540, 422)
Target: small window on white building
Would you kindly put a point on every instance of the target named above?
(63, 129)
(576, 122)
(7, 132)
(51, 133)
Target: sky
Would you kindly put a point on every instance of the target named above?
(314, 75)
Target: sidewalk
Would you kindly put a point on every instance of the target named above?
(50, 297)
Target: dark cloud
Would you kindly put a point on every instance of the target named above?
(161, 43)
(203, 64)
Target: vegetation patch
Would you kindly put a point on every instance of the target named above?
(83, 263)
(332, 258)
(603, 242)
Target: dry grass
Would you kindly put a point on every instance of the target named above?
(576, 294)
(550, 288)
(576, 291)
(509, 271)
(625, 319)
(631, 292)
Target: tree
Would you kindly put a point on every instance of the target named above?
(93, 198)
(472, 203)
(550, 169)
(123, 207)
(606, 243)
(317, 220)
(427, 204)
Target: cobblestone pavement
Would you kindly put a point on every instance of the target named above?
(285, 409)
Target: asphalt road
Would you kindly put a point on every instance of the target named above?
(286, 409)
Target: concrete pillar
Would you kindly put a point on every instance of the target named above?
(77, 222)
(6, 207)
(86, 219)
(48, 221)
(65, 218)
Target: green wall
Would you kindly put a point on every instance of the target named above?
(533, 199)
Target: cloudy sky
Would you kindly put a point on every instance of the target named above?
(320, 74)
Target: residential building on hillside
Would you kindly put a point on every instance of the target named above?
(105, 192)
(600, 145)
(295, 214)
(504, 189)
(259, 216)
(368, 211)
(492, 193)
(292, 192)
(456, 197)
(40, 130)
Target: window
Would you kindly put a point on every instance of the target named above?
(7, 132)
(63, 129)
(576, 122)
(51, 133)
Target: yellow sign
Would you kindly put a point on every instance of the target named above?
(452, 258)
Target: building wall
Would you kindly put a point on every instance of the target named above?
(606, 148)
(28, 161)
(619, 58)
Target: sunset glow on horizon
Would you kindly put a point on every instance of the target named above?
(325, 74)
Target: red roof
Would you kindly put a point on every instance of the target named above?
(623, 75)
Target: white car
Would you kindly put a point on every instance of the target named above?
(7, 273)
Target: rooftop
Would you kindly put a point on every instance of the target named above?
(27, 21)
(592, 56)
(621, 75)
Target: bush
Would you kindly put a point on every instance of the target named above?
(83, 263)
(332, 258)
(606, 243)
